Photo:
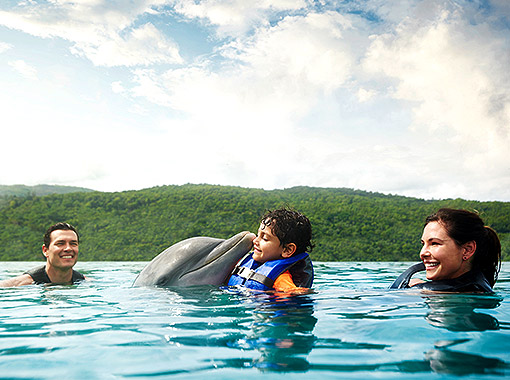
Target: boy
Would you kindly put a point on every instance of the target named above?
(279, 260)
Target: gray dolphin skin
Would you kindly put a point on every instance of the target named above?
(196, 261)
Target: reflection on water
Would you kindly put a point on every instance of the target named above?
(456, 312)
(444, 360)
(282, 331)
(279, 326)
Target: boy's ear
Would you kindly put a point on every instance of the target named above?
(288, 250)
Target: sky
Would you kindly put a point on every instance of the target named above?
(406, 97)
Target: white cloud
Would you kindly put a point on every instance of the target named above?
(140, 46)
(246, 109)
(234, 17)
(24, 69)
(117, 87)
(277, 74)
(101, 31)
(4, 47)
(301, 51)
(454, 74)
(365, 95)
(409, 97)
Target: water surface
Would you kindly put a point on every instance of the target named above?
(351, 327)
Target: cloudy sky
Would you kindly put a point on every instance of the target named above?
(409, 97)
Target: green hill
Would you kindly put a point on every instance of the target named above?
(349, 225)
(38, 190)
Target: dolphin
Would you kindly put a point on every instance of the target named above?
(196, 261)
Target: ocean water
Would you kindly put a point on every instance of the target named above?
(350, 327)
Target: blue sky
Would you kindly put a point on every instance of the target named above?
(407, 97)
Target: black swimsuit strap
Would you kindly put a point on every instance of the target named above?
(40, 276)
(402, 281)
(472, 281)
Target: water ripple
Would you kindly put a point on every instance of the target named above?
(350, 326)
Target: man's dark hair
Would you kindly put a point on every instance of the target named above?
(290, 226)
(55, 227)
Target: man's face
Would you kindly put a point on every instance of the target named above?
(62, 252)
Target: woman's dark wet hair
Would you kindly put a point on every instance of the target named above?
(290, 227)
(463, 226)
(55, 227)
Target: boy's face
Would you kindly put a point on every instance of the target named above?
(267, 247)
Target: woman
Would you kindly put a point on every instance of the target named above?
(459, 254)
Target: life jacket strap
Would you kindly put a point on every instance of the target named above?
(250, 274)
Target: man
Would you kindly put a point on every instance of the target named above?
(61, 251)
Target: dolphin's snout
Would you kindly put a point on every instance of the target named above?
(247, 238)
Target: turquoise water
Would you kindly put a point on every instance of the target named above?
(352, 327)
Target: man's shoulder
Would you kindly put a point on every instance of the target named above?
(24, 279)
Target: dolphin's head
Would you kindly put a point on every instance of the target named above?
(196, 261)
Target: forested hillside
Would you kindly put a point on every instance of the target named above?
(23, 190)
(348, 225)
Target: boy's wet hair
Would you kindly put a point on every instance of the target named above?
(290, 226)
(58, 226)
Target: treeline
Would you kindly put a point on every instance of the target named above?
(23, 190)
(348, 225)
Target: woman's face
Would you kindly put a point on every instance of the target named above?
(442, 257)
